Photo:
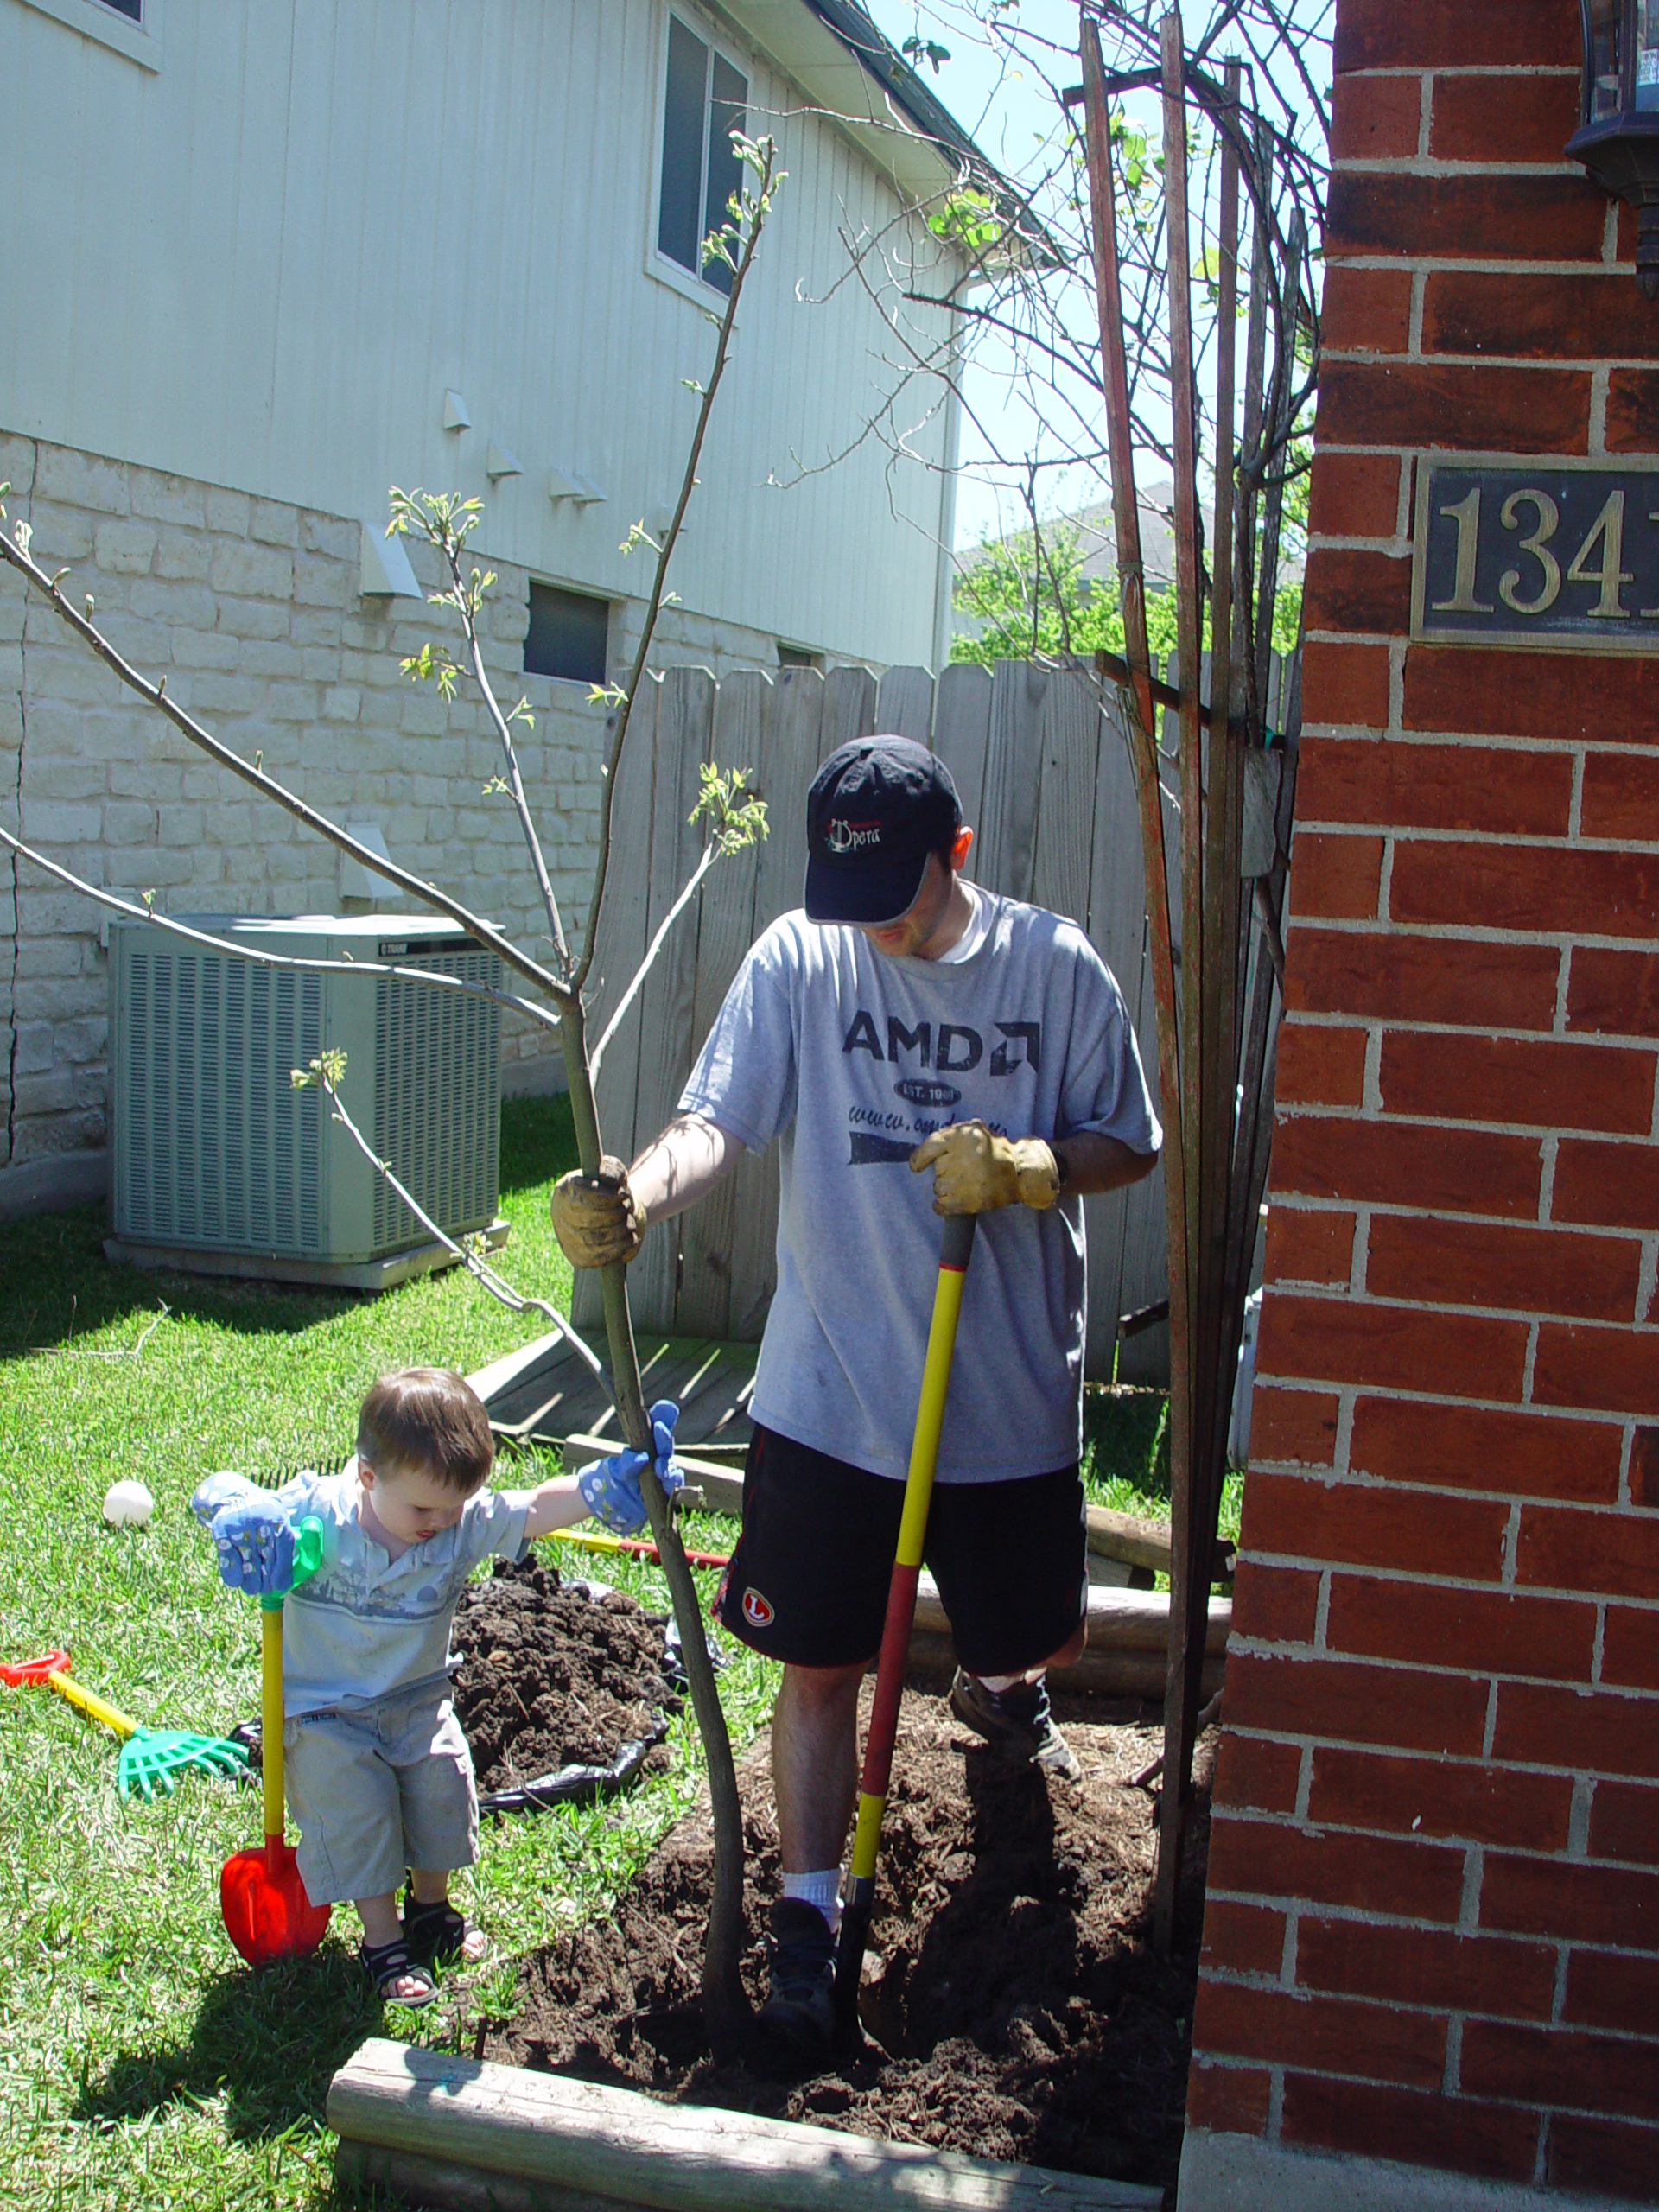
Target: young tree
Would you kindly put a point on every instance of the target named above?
(554, 987)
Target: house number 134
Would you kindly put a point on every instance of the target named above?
(1492, 560)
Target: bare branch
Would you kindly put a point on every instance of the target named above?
(763, 156)
(156, 694)
(433, 979)
(482, 1274)
(711, 854)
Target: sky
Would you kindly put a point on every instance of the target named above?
(1011, 111)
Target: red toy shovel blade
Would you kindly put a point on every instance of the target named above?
(267, 1913)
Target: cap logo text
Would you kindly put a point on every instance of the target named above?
(850, 836)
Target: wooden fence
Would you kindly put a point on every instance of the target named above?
(1044, 773)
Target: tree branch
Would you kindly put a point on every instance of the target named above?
(481, 1271)
(433, 978)
(156, 694)
(769, 176)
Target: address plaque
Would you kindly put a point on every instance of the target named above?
(1547, 552)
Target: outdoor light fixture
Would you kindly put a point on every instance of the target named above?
(1617, 139)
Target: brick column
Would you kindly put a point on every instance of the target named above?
(1432, 1939)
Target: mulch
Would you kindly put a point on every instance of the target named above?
(553, 1675)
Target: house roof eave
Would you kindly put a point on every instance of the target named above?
(850, 71)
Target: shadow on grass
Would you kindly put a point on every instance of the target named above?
(538, 1141)
(269, 2043)
(58, 1285)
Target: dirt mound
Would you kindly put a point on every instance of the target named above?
(1017, 2010)
(552, 1675)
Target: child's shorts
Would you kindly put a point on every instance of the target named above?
(378, 1790)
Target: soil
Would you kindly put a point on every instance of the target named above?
(554, 1676)
(1013, 2003)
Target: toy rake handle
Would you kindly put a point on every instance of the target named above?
(94, 1707)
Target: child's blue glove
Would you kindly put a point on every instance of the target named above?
(610, 1488)
(254, 1534)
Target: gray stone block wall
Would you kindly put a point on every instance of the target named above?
(252, 610)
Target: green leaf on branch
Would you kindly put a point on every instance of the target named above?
(735, 818)
(968, 218)
(433, 661)
(917, 49)
(328, 1068)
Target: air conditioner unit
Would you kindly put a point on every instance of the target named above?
(219, 1165)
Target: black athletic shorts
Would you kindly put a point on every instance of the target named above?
(808, 1582)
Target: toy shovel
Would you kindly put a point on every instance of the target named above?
(267, 1914)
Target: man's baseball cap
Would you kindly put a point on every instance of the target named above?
(877, 808)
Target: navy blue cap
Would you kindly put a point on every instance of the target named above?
(877, 808)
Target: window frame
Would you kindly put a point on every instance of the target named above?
(606, 599)
(138, 41)
(689, 283)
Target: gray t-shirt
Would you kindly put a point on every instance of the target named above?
(850, 1058)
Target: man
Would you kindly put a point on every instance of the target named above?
(905, 1019)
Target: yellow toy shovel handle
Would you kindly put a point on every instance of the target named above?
(271, 1717)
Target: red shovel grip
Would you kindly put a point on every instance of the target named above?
(35, 1670)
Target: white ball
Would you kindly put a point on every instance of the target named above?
(128, 1505)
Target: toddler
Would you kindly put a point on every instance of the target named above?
(379, 1773)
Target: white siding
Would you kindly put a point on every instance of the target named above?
(262, 265)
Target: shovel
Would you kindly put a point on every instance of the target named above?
(267, 1914)
(955, 1248)
(149, 1757)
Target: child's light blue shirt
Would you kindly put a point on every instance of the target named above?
(365, 1624)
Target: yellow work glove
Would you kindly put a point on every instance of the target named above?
(974, 1170)
(596, 1218)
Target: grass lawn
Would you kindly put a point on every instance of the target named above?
(141, 2065)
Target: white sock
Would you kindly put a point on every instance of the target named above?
(997, 1683)
(822, 1889)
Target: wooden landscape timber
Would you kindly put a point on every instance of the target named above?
(455, 2132)
(1126, 1536)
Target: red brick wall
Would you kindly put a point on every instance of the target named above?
(1432, 1929)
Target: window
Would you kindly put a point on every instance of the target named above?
(569, 631)
(798, 657)
(135, 8)
(707, 100)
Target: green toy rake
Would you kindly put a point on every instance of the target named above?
(149, 1757)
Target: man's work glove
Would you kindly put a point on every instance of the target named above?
(610, 1488)
(976, 1171)
(596, 1218)
(254, 1534)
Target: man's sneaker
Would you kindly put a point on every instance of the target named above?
(1015, 1722)
(801, 2002)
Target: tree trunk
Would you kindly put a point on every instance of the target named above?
(725, 2005)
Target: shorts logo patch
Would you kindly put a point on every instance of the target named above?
(757, 1610)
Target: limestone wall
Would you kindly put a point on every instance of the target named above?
(252, 608)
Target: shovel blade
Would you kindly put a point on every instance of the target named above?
(267, 1914)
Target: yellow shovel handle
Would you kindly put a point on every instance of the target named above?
(94, 1707)
(270, 1717)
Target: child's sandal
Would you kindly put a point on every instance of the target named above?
(386, 1964)
(439, 1933)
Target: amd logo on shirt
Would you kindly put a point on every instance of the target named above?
(956, 1048)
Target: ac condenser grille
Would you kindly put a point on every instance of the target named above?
(214, 1146)
(220, 1150)
(435, 1121)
